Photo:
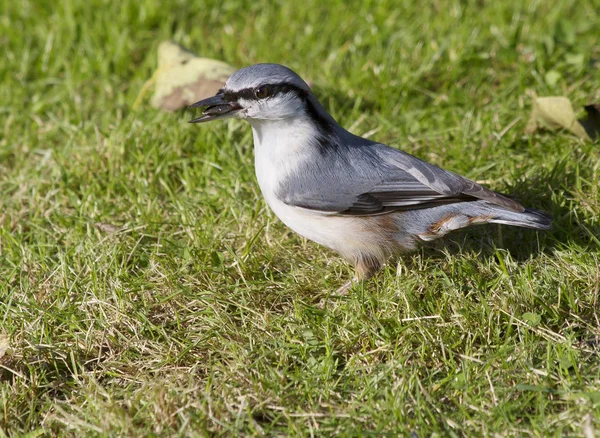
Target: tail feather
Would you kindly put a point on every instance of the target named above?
(433, 223)
(530, 218)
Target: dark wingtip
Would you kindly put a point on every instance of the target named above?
(539, 219)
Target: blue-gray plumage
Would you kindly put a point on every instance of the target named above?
(363, 199)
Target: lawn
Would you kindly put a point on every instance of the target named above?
(147, 289)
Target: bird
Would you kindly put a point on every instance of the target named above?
(363, 199)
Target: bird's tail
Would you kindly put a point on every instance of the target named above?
(432, 223)
(530, 218)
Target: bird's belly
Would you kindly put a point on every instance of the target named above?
(330, 231)
(350, 236)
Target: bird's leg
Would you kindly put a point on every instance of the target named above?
(365, 266)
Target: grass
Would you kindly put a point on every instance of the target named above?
(199, 315)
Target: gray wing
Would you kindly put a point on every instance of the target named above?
(366, 178)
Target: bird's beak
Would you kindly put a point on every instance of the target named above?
(216, 108)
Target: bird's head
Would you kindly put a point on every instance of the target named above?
(262, 92)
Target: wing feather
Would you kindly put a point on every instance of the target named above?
(359, 177)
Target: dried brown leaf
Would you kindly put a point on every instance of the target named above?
(107, 228)
(555, 112)
(4, 344)
(183, 78)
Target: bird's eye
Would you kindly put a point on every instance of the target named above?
(262, 92)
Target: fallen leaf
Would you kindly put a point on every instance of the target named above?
(183, 78)
(4, 344)
(107, 228)
(591, 124)
(553, 113)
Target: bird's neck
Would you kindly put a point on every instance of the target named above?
(298, 133)
(286, 136)
(281, 147)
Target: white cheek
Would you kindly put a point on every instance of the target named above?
(249, 110)
(285, 106)
(274, 108)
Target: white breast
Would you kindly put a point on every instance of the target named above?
(279, 150)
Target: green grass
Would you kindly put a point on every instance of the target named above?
(200, 316)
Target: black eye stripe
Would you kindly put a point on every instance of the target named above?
(311, 108)
(274, 90)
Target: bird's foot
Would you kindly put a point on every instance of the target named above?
(343, 290)
(340, 292)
